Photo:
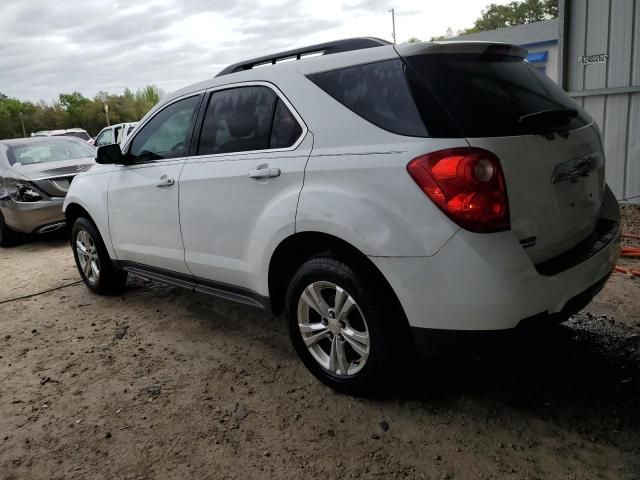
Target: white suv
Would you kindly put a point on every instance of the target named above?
(378, 195)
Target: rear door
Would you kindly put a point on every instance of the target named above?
(241, 188)
(549, 148)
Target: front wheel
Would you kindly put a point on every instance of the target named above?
(93, 261)
(340, 327)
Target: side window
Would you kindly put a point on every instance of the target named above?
(238, 120)
(166, 135)
(286, 129)
(105, 138)
(116, 134)
(377, 92)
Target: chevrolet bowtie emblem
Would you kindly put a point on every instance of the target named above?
(572, 170)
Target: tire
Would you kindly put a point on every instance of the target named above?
(93, 261)
(7, 236)
(345, 370)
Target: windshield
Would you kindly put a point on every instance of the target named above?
(487, 95)
(54, 151)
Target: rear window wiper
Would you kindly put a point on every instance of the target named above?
(549, 118)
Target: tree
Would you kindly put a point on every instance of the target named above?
(75, 105)
(75, 110)
(514, 13)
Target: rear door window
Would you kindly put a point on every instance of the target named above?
(238, 120)
(286, 130)
(487, 95)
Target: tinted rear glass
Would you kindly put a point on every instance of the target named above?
(286, 129)
(486, 95)
(238, 120)
(81, 135)
(389, 95)
(45, 152)
(378, 92)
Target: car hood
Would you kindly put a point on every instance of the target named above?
(61, 168)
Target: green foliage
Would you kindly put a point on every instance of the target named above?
(414, 40)
(514, 13)
(75, 110)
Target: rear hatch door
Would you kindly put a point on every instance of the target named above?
(549, 148)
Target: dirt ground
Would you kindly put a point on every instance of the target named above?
(164, 383)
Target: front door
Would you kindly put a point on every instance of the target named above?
(144, 219)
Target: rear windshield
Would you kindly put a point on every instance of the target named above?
(488, 95)
(45, 152)
(81, 135)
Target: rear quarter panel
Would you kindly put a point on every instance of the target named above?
(365, 196)
(356, 184)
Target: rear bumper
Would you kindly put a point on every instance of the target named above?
(32, 217)
(487, 282)
(436, 341)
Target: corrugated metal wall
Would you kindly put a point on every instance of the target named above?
(609, 91)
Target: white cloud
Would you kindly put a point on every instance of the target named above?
(49, 47)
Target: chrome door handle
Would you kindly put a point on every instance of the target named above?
(264, 171)
(165, 182)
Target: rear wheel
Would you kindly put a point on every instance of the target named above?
(93, 261)
(339, 326)
(7, 236)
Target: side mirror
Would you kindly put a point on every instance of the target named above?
(110, 154)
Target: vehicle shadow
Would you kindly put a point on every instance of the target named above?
(44, 240)
(584, 374)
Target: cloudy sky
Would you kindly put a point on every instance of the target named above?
(53, 46)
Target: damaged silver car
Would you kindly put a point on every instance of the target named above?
(35, 174)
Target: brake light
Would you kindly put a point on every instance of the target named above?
(467, 184)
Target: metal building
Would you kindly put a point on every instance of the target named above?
(539, 38)
(599, 65)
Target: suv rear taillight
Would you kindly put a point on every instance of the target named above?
(467, 184)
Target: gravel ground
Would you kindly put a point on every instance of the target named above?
(630, 215)
(163, 383)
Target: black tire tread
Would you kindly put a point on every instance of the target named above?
(375, 377)
(112, 279)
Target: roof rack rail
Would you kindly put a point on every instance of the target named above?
(327, 48)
